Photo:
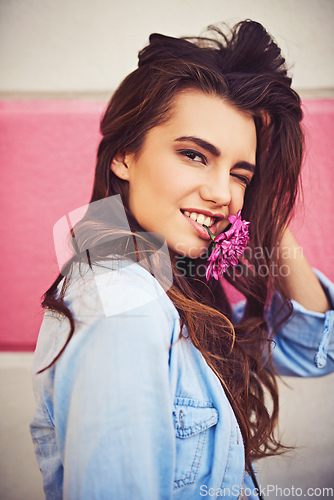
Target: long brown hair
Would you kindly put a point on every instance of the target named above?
(245, 67)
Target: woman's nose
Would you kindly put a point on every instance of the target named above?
(216, 189)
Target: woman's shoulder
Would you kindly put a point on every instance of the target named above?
(115, 287)
(115, 300)
(124, 311)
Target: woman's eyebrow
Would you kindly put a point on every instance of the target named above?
(214, 151)
(245, 165)
(202, 143)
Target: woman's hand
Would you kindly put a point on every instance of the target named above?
(299, 281)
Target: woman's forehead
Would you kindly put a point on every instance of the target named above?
(209, 118)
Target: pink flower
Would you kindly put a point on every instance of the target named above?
(228, 246)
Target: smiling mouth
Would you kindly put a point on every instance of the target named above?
(200, 218)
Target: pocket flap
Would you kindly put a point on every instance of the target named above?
(192, 416)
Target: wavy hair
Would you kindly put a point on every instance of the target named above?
(243, 66)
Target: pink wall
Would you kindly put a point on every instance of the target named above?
(47, 154)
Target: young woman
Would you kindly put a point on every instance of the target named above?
(148, 384)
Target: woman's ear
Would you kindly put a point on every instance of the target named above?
(119, 166)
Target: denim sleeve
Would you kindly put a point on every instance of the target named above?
(113, 408)
(304, 345)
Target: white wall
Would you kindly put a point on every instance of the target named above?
(89, 46)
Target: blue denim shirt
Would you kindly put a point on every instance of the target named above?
(122, 415)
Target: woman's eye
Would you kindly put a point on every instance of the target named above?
(193, 155)
(242, 178)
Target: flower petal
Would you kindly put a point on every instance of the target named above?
(228, 246)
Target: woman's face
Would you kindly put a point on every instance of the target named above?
(192, 170)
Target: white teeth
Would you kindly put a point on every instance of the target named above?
(200, 219)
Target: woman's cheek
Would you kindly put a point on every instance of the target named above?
(237, 198)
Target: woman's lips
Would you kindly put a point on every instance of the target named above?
(202, 232)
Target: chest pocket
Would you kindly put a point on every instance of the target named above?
(193, 422)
